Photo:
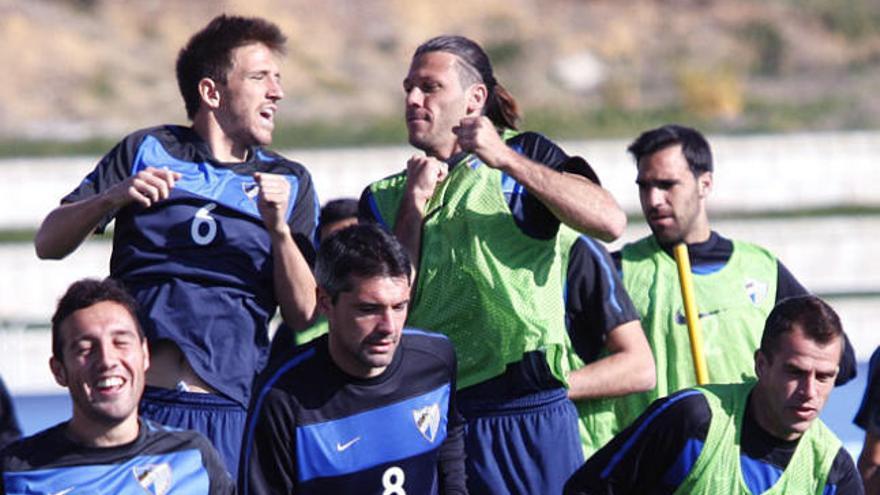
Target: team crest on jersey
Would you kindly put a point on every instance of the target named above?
(756, 290)
(428, 421)
(154, 478)
(250, 189)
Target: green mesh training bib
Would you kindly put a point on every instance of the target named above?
(496, 292)
(718, 470)
(733, 303)
(318, 328)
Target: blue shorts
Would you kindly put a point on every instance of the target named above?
(521, 446)
(220, 419)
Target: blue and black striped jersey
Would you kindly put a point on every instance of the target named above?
(158, 461)
(314, 429)
(200, 262)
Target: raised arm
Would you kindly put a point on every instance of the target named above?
(292, 276)
(68, 225)
(422, 176)
(574, 200)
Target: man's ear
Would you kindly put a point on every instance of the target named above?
(704, 184)
(58, 371)
(146, 355)
(209, 92)
(477, 95)
(325, 302)
(761, 363)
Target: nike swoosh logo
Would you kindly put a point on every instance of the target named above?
(62, 492)
(344, 446)
(681, 320)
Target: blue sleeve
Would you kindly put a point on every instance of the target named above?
(595, 300)
(843, 479)
(113, 168)
(303, 220)
(367, 208)
(786, 284)
(868, 415)
(9, 429)
(652, 455)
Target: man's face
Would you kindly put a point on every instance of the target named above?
(248, 100)
(673, 200)
(103, 361)
(366, 323)
(436, 102)
(794, 383)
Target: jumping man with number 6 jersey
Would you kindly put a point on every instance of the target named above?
(212, 231)
(368, 407)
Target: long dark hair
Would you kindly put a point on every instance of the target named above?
(474, 67)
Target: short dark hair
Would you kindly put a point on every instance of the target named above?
(338, 209)
(208, 53)
(813, 316)
(365, 250)
(85, 293)
(474, 67)
(694, 146)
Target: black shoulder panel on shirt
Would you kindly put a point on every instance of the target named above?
(538, 148)
(844, 476)
(314, 382)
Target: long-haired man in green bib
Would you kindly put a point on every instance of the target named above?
(481, 213)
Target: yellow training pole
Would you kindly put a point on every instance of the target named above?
(690, 311)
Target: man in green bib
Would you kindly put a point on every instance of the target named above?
(756, 437)
(736, 283)
(481, 213)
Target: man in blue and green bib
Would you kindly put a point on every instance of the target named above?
(736, 283)
(480, 213)
(757, 437)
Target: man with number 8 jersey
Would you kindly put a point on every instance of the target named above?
(212, 231)
(369, 407)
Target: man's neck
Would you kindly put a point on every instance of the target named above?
(698, 241)
(446, 154)
(222, 146)
(349, 364)
(100, 435)
(699, 231)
